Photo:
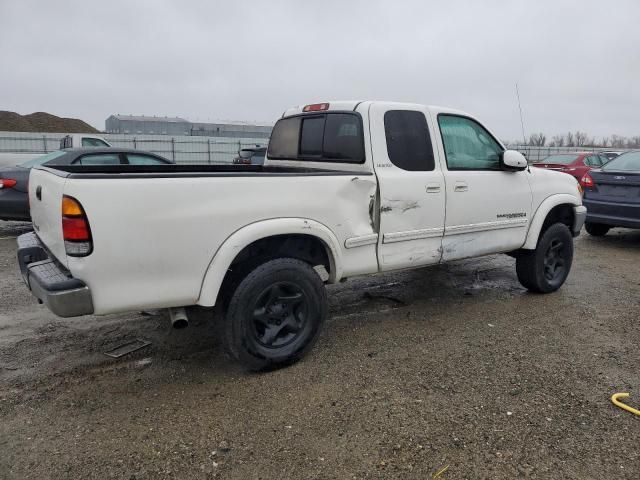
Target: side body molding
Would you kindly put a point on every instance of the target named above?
(233, 245)
(541, 214)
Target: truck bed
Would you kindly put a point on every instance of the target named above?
(156, 230)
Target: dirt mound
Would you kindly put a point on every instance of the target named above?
(42, 122)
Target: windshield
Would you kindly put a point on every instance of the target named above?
(34, 162)
(627, 162)
(561, 159)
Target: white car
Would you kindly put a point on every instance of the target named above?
(354, 188)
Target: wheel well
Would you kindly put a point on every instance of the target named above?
(307, 248)
(559, 214)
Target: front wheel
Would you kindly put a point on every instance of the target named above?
(275, 314)
(596, 229)
(546, 268)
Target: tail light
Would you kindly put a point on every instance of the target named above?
(7, 183)
(75, 228)
(587, 181)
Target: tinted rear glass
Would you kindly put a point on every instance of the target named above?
(408, 140)
(560, 159)
(627, 162)
(311, 136)
(42, 159)
(329, 137)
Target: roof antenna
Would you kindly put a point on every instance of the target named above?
(524, 138)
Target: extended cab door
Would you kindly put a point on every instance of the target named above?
(412, 195)
(488, 209)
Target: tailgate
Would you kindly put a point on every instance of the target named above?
(45, 200)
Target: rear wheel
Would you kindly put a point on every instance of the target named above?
(546, 268)
(275, 314)
(596, 229)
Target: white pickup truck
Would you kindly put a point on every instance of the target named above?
(75, 140)
(353, 188)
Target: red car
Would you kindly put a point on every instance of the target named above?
(576, 163)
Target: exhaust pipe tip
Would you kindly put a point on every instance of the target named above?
(179, 319)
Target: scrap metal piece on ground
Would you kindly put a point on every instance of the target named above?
(126, 348)
(441, 471)
(618, 403)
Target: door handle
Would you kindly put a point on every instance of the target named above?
(460, 187)
(433, 188)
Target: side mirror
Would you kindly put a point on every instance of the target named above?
(512, 160)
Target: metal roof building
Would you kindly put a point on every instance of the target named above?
(146, 125)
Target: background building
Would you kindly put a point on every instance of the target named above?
(144, 125)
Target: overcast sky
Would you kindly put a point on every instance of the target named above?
(577, 63)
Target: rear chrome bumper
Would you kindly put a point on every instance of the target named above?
(579, 216)
(50, 282)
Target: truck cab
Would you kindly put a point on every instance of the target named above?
(82, 140)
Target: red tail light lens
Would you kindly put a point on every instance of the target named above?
(75, 228)
(7, 183)
(316, 107)
(587, 181)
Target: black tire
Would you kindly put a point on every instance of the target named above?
(275, 314)
(546, 268)
(596, 229)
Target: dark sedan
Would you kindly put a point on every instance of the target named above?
(612, 194)
(14, 181)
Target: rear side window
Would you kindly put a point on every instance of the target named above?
(99, 159)
(328, 137)
(593, 161)
(408, 140)
(137, 159)
(93, 142)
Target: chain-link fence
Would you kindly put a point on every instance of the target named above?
(204, 150)
(181, 149)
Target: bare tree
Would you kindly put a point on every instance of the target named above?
(606, 141)
(618, 141)
(557, 141)
(538, 139)
(571, 142)
(633, 142)
(581, 139)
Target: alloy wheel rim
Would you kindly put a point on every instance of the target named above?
(554, 260)
(279, 315)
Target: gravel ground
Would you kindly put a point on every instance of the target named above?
(452, 367)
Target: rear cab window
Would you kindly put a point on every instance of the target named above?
(324, 137)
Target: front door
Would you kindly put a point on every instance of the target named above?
(412, 190)
(488, 209)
